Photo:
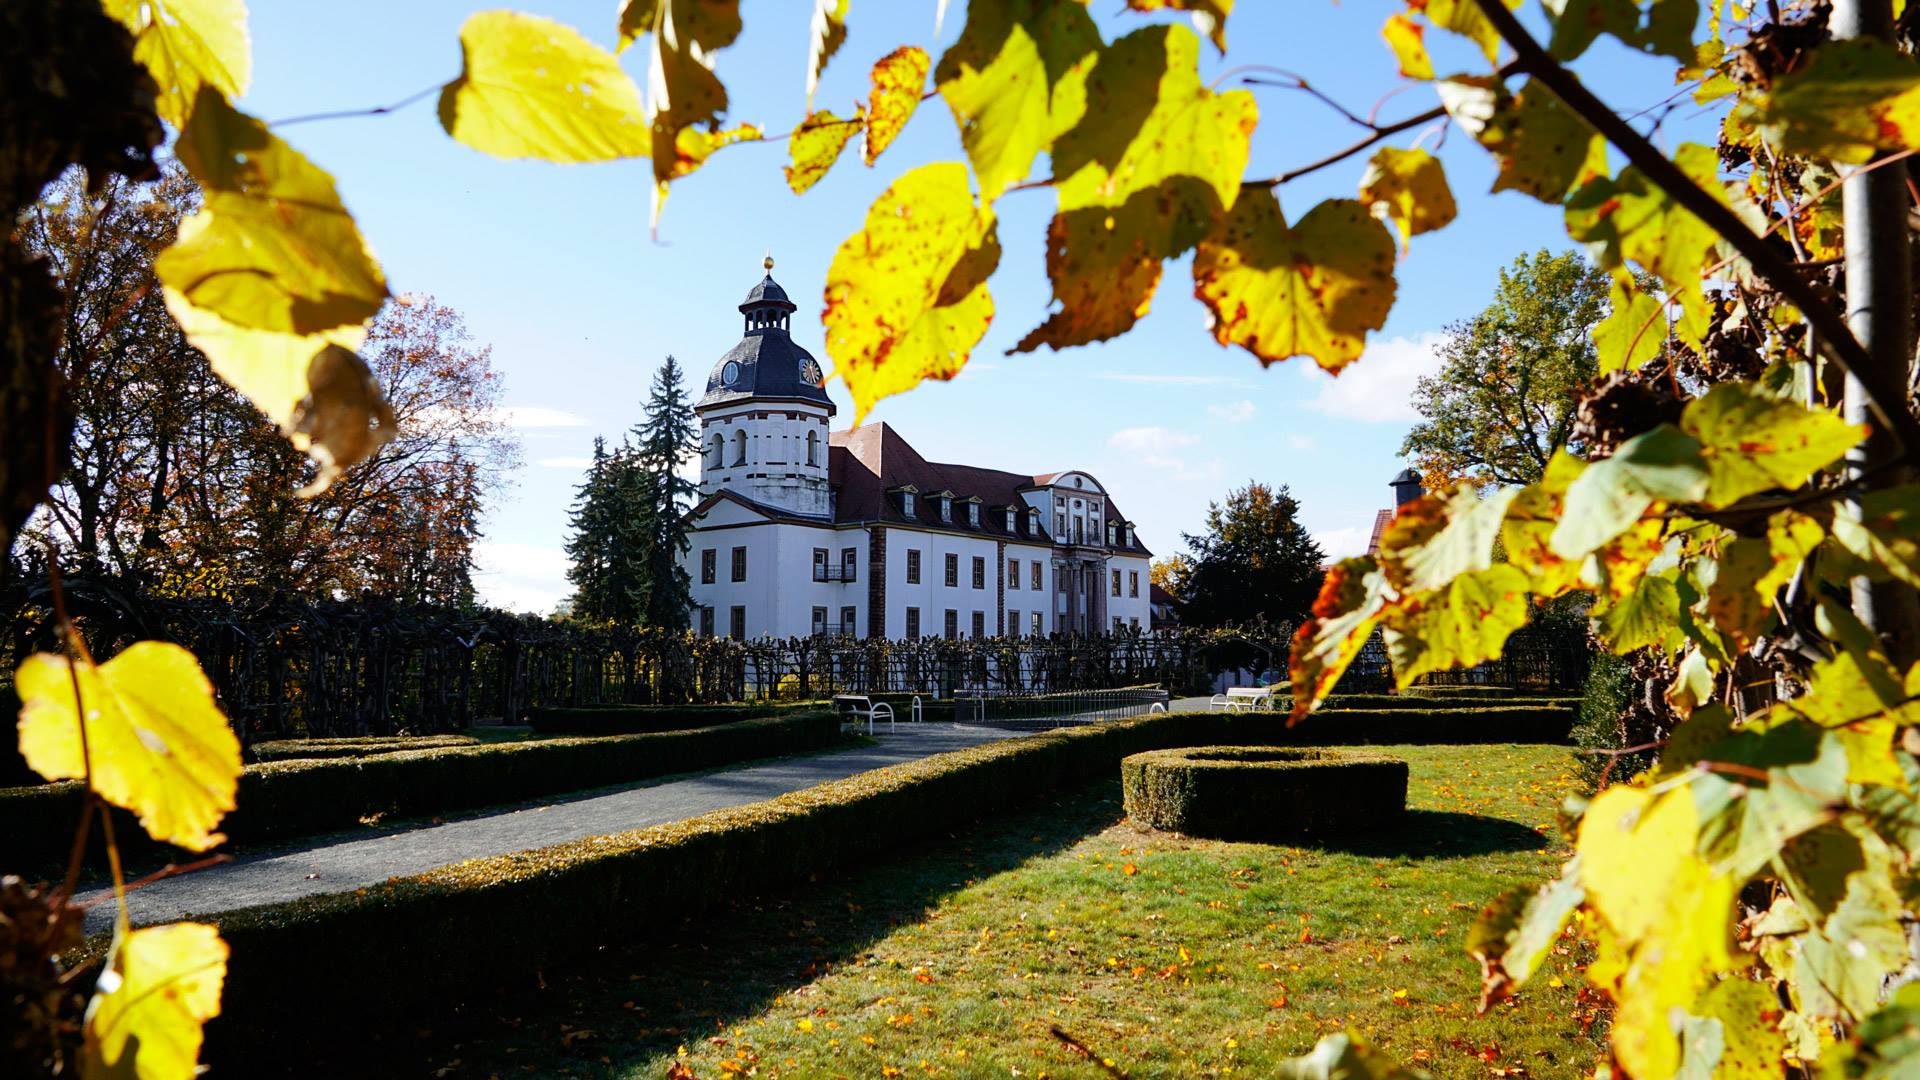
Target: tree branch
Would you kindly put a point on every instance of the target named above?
(1887, 402)
(1438, 112)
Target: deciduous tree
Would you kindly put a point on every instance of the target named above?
(1255, 561)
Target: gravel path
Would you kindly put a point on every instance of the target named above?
(344, 862)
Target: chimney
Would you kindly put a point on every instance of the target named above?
(1406, 488)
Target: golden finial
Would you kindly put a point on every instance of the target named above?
(768, 262)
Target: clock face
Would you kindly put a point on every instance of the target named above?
(810, 372)
(731, 373)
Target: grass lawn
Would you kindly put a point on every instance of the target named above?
(1170, 957)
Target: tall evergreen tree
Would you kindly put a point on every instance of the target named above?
(667, 436)
(591, 543)
(1255, 561)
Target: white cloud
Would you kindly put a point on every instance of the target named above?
(1151, 440)
(1238, 412)
(1378, 387)
(520, 577)
(564, 462)
(537, 416)
(1171, 380)
(1341, 543)
(1300, 442)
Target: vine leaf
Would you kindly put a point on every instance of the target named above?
(187, 45)
(1314, 289)
(1840, 882)
(1515, 932)
(1752, 441)
(816, 145)
(1440, 536)
(1527, 530)
(1634, 330)
(271, 247)
(899, 78)
(1882, 532)
(1663, 464)
(1145, 176)
(907, 295)
(1463, 624)
(826, 34)
(1465, 18)
(531, 87)
(1408, 188)
(1353, 595)
(1407, 39)
(1848, 101)
(1885, 1045)
(1665, 28)
(1732, 1016)
(162, 984)
(1209, 16)
(1015, 81)
(1544, 149)
(1629, 217)
(157, 743)
(1647, 616)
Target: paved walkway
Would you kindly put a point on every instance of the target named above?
(344, 862)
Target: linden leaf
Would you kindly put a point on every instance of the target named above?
(1464, 624)
(682, 90)
(1353, 595)
(1751, 571)
(825, 36)
(1209, 16)
(1847, 101)
(1633, 332)
(1407, 40)
(531, 87)
(1882, 532)
(1343, 1057)
(1544, 148)
(1408, 188)
(1438, 537)
(907, 295)
(1015, 81)
(816, 145)
(313, 386)
(156, 742)
(691, 149)
(1465, 18)
(1314, 289)
(271, 247)
(1527, 531)
(1840, 880)
(1143, 178)
(703, 24)
(161, 985)
(1664, 464)
(899, 79)
(1752, 441)
(187, 45)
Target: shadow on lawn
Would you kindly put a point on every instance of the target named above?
(651, 992)
(1440, 834)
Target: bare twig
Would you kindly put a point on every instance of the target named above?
(1379, 133)
(348, 114)
(1084, 1051)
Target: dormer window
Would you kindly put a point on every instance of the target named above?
(946, 508)
(1126, 535)
(1110, 536)
(1010, 525)
(1033, 523)
(973, 514)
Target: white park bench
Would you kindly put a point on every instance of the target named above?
(864, 708)
(1242, 699)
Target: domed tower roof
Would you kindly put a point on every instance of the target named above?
(767, 363)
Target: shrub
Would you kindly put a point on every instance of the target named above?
(1469, 692)
(1263, 793)
(301, 797)
(1606, 698)
(1431, 702)
(358, 746)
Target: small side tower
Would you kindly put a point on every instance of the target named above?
(764, 418)
(1406, 487)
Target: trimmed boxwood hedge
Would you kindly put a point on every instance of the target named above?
(1489, 722)
(300, 797)
(353, 746)
(1263, 793)
(1410, 700)
(641, 719)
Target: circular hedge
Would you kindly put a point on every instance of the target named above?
(1263, 793)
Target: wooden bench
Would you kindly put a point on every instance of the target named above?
(863, 707)
(1242, 699)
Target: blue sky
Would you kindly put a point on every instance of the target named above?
(553, 266)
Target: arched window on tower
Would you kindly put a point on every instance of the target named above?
(813, 448)
(740, 448)
(718, 457)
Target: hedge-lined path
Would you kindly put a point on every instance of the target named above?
(344, 862)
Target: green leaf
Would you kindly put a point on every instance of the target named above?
(1645, 618)
(1846, 101)
(187, 45)
(1882, 531)
(1315, 289)
(535, 88)
(1146, 175)
(1753, 441)
(1209, 16)
(1633, 332)
(1353, 594)
(1515, 932)
(1440, 536)
(1343, 1057)
(899, 78)
(1885, 1046)
(1629, 217)
(1465, 624)
(1840, 880)
(271, 247)
(1015, 81)
(1661, 465)
(816, 144)
(1407, 40)
(1544, 149)
(1763, 785)
(1527, 532)
(1408, 188)
(1749, 1043)
(161, 986)
(1664, 29)
(907, 294)
(825, 35)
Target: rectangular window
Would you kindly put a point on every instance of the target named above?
(979, 572)
(1133, 622)
(913, 623)
(1133, 583)
(706, 621)
(739, 564)
(979, 624)
(1039, 583)
(820, 621)
(1013, 624)
(709, 565)
(1116, 583)
(953, 572)
(973, 513)
(737, 623)
(953, 624)
(849, 563)
(847, 627)
(1039, 624)
(1060, 579)
(1117, 625)
(819, 564)
(1013, 573)
(913, 566)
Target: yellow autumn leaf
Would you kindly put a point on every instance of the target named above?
(907, 295)
(314, 387)
(1015, 81)
(156, 742)
(898, 81)
(693, 147)
(1313, 289)
(1407, 40)
(535, 88)
(682, 89)
(1847, 101)
(162, 984)
(185, 45)
(1408, 188)
(816, 144)
(1209, 16)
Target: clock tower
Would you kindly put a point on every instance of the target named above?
(764, 418)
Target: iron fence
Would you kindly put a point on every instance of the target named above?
(1033, 711)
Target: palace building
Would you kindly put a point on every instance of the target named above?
(800, 530)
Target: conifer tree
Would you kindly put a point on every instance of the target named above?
(667, 436)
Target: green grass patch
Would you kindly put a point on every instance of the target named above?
(1173, 957)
